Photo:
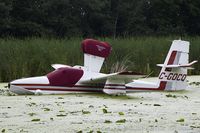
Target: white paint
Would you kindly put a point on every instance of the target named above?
(93, 63)
(32, 80)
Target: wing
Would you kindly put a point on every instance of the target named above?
(125, 76)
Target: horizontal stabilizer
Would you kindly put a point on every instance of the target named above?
(188, 66)
(57, 66)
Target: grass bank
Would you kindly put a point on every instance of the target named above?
(33, 56)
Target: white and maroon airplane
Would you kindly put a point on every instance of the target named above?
(87, 78)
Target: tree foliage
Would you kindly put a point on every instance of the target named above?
(83, 18)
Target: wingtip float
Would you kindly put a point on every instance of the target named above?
(87, 78)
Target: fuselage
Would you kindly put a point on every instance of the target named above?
(41, 85)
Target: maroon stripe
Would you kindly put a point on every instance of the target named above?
(81, 86)
(114, 85)
(115, 88)
(58, 89)
(91, 86)
(161, 87)
(31, 84)
(172, 58)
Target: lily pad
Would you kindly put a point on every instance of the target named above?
(35, 120)
(180, 120)
(121, 113)
(85, 112)
(121, 121)
(61, 115)
(107, 121)
(46, 109)
(105, 111)
(31, 114)
(156, 105)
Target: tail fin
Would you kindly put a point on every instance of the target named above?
(174, 70)
(95, 53)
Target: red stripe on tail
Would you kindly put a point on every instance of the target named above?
(172, 58)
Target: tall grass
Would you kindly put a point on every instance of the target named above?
(33, 56)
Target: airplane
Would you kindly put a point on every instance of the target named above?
(78, 79)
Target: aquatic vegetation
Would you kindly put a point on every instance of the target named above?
(74, 112)
(3, 130)
(35, 120)
(104, 111)
(22, 58)
(31, 104)
(194, 113)
(91, 106)
(193, 126)
(31, 114)
(85, 112)
(121, 113)
(61, 115)
(121, 121)
(156, 105)
(180, 120)
(6, 92)
(170, 95)
(46, 109)
(195, 83)
(105, 106)
(107, 121)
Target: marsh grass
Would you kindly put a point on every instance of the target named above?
(33, 56)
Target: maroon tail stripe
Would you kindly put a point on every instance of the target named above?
(172, 58)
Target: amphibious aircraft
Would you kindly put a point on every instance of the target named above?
(87, 78)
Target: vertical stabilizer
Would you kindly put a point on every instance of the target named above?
(95, 53)
(172, 74)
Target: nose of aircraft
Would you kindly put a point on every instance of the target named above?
(18, 86)
(14, 86)
(19, 90)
